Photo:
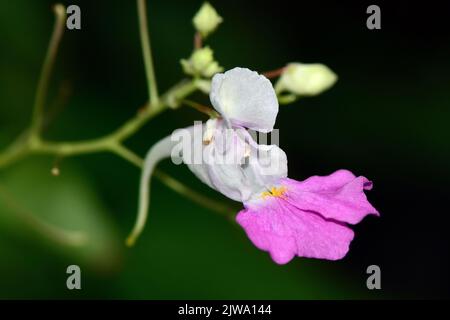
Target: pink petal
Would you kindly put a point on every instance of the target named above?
(339, 196)
(285, 231)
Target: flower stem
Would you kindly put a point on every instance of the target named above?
(128, 155)
(198, 41)
(16, 150)
(195, 196)
(274, 73)
(41, 92)
(147, 52)
(201, 108)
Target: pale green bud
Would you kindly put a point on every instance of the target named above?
(186, 65)
(203, 85)
(201, 63)
(212, 69)
(206, 19)
(201, 58)
(306, 79)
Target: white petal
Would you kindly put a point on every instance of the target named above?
(245, 98)
(236, 166)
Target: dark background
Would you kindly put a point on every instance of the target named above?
(387, 118)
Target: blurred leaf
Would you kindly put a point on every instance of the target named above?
(64, 212)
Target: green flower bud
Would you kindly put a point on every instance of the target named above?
(206, 20)
(212, 69)
(201, 58)
(203, 85)
(201, 63)
(306, 79)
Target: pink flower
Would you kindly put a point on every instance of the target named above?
(308, 218)
(285, 217)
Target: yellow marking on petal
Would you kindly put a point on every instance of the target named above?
(274, 192)
(247, 151)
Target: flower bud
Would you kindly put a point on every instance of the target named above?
(203, 85)
(206, 20)
(201, 63)
(306, 79)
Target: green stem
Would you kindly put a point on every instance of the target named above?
(71, 148)
(18, 149)
(147, 52)
(128, 155)
(193, 195)
(41, 92)
(28, 143)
